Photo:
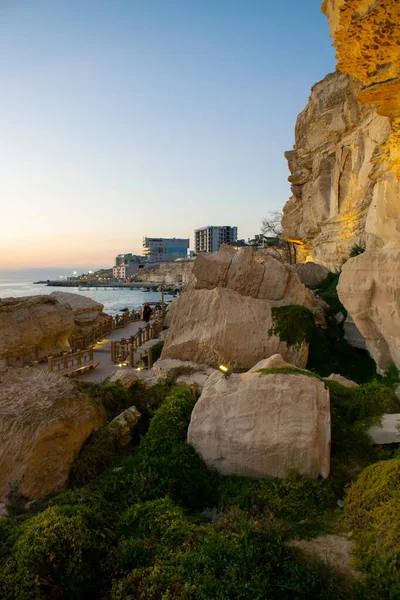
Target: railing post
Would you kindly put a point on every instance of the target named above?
(131, 355)
(113, 351)
(79, 356)
(65, 360)
(149, 358)
(140, 336)
(91, 353)
(35, 364)
(147, 332)
(50, 363)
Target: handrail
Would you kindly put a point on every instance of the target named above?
(123, 350)
(68, 361)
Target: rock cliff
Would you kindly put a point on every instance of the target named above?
(33, 322)
(224, 315)
(334, 172)
(87, 312)
(169, 273)
(366, 34)
(44, 422)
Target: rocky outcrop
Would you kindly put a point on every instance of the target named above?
(171, 273)
(181, 372)
(311, 274)
(259, 425)
(334, 172)
(32, 325)
(225, 314)
(44, 421)
(369, 289)
(87, 312)
(123, 425)
(366, 34)
(342, 380)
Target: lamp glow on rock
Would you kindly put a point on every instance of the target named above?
(225, 371)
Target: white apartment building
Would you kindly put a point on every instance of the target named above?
(210, 238)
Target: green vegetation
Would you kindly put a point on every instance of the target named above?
(372, 513)
(356, 250)
(293, 324)
(152, 522)
(156, 350)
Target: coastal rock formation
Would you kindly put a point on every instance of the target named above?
(225, 314)
(311, 274)
(369, 289)
(87, 312)
(33, 324)
(334, 172)
(171, 273)
(44, 422)
(181, 372)
(366, 34)
(123, 425)
(260, 425)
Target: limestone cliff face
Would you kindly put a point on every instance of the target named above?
(333, 172)
(169, 273)
(366, 34)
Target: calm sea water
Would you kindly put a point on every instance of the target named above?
(20, 283)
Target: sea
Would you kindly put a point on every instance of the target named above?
(20, 282)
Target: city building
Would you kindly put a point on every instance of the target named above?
(209, 239)
(125, 271)
(125, 259)
(158, 250)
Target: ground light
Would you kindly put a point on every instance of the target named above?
(225, 371)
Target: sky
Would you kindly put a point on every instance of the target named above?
(125, 118)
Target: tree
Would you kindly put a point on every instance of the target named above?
(279, 248)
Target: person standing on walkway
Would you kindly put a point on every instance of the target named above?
(146, 312)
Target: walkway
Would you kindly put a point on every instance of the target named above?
(102, 352)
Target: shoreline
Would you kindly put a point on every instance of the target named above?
(147, 285)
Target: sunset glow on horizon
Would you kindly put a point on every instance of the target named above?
(125, 119)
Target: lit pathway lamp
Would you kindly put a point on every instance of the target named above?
(226, 372)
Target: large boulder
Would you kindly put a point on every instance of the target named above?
(369, 288)
(225, 315)
(260, 424)
(34, 324)
(122, 426)
(44, 421)
(310, 273)
(87, 312)
(221, 326)
(181, 372)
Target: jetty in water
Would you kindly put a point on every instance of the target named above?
(148, 285)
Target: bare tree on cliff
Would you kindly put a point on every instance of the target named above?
(278, 248)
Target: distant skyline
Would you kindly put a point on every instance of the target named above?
(125, 118)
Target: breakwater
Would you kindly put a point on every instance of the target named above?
(148, 285)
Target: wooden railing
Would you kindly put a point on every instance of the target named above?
(123, 350)
(76, 361)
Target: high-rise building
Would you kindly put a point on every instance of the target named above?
(157, 250)
(209, 239)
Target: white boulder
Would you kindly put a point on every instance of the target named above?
(259, 425)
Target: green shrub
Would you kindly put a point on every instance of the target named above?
(294, 498)
(156, 350)
(113, 396)
(356, 250)
(54, 557)
(372, 512)
(96, 454)
(327, 290)
(235, 558)
(293, 324)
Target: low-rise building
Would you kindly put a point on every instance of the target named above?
(125, 271)
(210, 238)
(158, 250)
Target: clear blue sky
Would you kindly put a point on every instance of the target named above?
(124, 118)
